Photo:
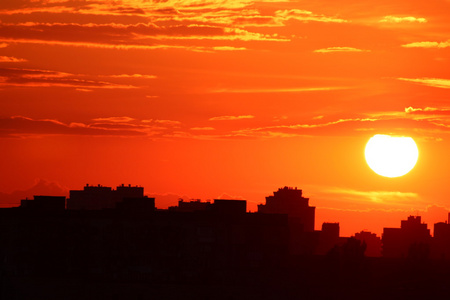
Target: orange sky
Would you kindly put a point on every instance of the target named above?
(208, 99)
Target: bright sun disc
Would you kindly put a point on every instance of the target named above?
(391, 156)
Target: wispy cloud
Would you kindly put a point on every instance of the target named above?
(304, 16)
(122, 46)
(228, 48)
(167, 122)
(134, 36)
(114, 119)
(409, 19)
(340, 49)
(427, 110)
(294, 130)
(428, 44)
(11, 59)
(231, 118)
(280, 90)
(134, 76)
(202, 128)
(49, 78)
(390, 197)
(433, 82)
(20, 126)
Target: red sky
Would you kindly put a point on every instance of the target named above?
(228, 98)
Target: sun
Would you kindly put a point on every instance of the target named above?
(391, 156)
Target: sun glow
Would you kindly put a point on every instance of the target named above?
(391, 156)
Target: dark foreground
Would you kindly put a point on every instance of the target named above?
(305, 278)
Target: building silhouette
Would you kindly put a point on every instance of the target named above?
(191, 206)
(412, 239)
(290, 201)
(372, 241)
(327, 238)
(115, 238)
(44, 204)
(101, 197)
(441, 241)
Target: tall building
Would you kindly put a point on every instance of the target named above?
(327, 238)
(101, 197)
(372, 241)
(191, 206)
(412, 239)
(290, 201)
(45, 203)
(441, 240)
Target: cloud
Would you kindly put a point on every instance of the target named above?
(131, 46)
(339, 49)
(298, 130)
(3, 45)
(231, 118)
(133, 76)
(11, 59)
(433, 82)
(394, 19)
(427, 110)
(279, 90)
(202, 128)
(428, 45)
(167, 122)
(144, 36)
(391, 197)
(228, 48)
(304, 16)
(48, 78)
(20, 126)
(115, 119)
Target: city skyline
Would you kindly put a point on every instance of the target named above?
(286, 201)
(284, 223)
(228, 99)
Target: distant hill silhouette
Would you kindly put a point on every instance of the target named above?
(40, 187)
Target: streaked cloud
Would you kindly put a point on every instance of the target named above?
(115, 119)
(11, 59)
(48, 78)
(167, 122)
(144, 36)
(133, 76)
(428, 44)
(203, 128)
(120, 46)
(340, 49)
(231, 118)
(279, 90)
(20, 126)
(433, 110)
(3, 45)
(228, 48)
(390, 197)
(433, 82)
(409, 19)
(296, 130)
(304, 16)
